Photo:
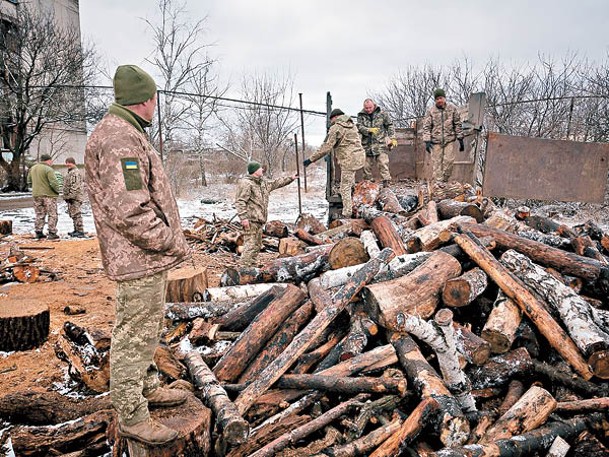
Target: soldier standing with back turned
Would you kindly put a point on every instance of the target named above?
(45, 190)
(73, 196)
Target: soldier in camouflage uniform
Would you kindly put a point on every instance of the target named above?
(140, 238)
(45, 190)
(378, 138)
(441, 127)
(73, 196)
(252, 202)
(344, 140)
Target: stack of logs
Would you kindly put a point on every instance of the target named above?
(455, 330)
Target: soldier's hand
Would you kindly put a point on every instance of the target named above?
(294, 177)
(374, 130)
(428, 146)
(392, 143)
(245, 223)
(306, 162)
(461, 145)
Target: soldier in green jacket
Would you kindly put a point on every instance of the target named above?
(252, 202)
(45, 190)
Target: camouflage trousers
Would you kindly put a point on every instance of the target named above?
(43, 207)
(252, 243)
(347, 181)
(443, 160)
(136, 334)
(74, 211)
(382, 162)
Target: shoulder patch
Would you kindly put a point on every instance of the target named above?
(131, 173)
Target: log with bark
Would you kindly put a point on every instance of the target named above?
(308, 238)
(277, 229)
(23, 325)
(465, 289)
(186, 285)
(291, 246)
(241, 292)
(309, 224)
(191, 310)
(584, 246)
(499, 370)
(430, 237)
(387, 235)
(347, 252)
(502, 324)
(365, 193)
(370, 242)
(451, 208)
(388, 201)
(239, 317)
(6, 227)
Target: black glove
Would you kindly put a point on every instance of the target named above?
(428, 146)
(306, 162)
(461, 146)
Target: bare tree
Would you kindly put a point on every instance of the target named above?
(43, 67)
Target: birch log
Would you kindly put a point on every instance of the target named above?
(465, 289)
(502, 324)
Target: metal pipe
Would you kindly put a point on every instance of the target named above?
(302, 133)
(298, 173)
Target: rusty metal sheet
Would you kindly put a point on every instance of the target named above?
(542, 169)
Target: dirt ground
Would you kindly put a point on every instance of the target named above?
(81, 281)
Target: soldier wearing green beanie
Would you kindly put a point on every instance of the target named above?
(140, 239)
(252, 203)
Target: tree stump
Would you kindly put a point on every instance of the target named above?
(23, 325)
(191, 420)
(347, 252)
(186, 285)
(6, 227)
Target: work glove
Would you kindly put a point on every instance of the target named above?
(394, 143)
(428, 145)
(306, 162)
(461, 146)
(374, 130)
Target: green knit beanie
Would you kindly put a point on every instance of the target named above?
(439, 93)
(252, 167)
(132, 85)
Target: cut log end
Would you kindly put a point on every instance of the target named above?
(23, 326)
(599, 361)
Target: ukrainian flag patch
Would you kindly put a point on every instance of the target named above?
(130, 165)
(131, 173)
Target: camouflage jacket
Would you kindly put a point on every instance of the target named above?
(72, 185)
(442, 126)
(43, 181)
(135, 213)
(375, 144)
(252, 197)
(344, 140)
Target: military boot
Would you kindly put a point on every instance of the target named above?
(148, 431)
(53, 236)
(40, 235)
(164, 398)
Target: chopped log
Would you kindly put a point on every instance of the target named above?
(310, 224)
(451, 208)
(528, 413)
(364, 445)
(203, 332)
(306, 361)
(191, 310)
(499, 220)
(307, 238)
(574, 311)
(389, 202)
(291, 246)
(365, 193)
(317, 325)
(6, 227)
(387, 235)
(583, 406)
(295, 269)
(341, 228)
(370, 242)
(23, 325)
(565, 262)
(305, 430)
(86, 363)
(168, 364)
(465, 289)
(439, 191)
(432, 236)
(253, 338)
(525, 444)
(500, 369)
(588, 445)
(513, 394)
(175, 332)
(502, 324)
(584, 246)
(474, 349)
(45, 440)
(191, 420)
(73, 310)
(547, 225)
(233, 427)
(431, 213)
(452, 425)
(559, 448)
(357, 338)
(529, 304)
(240, 317)
(417, 293)
(223, 294)
(551, 240)
(280, 340)
(25, 273)
(278, 229)
(186, 285)
(47, 408)
(347, 252)
(409, 429)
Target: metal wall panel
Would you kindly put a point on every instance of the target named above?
(542, 169)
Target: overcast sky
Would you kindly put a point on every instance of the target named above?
(352, 47)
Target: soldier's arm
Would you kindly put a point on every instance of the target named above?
(389, 128)
(29, 178)
(241, 200)
(427, 125)
(360, 125)
(53, 182)
(280, 182)
(125, 174)
(327, 146)
(457, 123)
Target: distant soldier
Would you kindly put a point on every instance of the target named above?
(45, 190)
(344, 140)
(441, 127)
(73, 196)
(378, 138)
(252, 203)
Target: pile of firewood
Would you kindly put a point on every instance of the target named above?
(19, 267)
(457, 329)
